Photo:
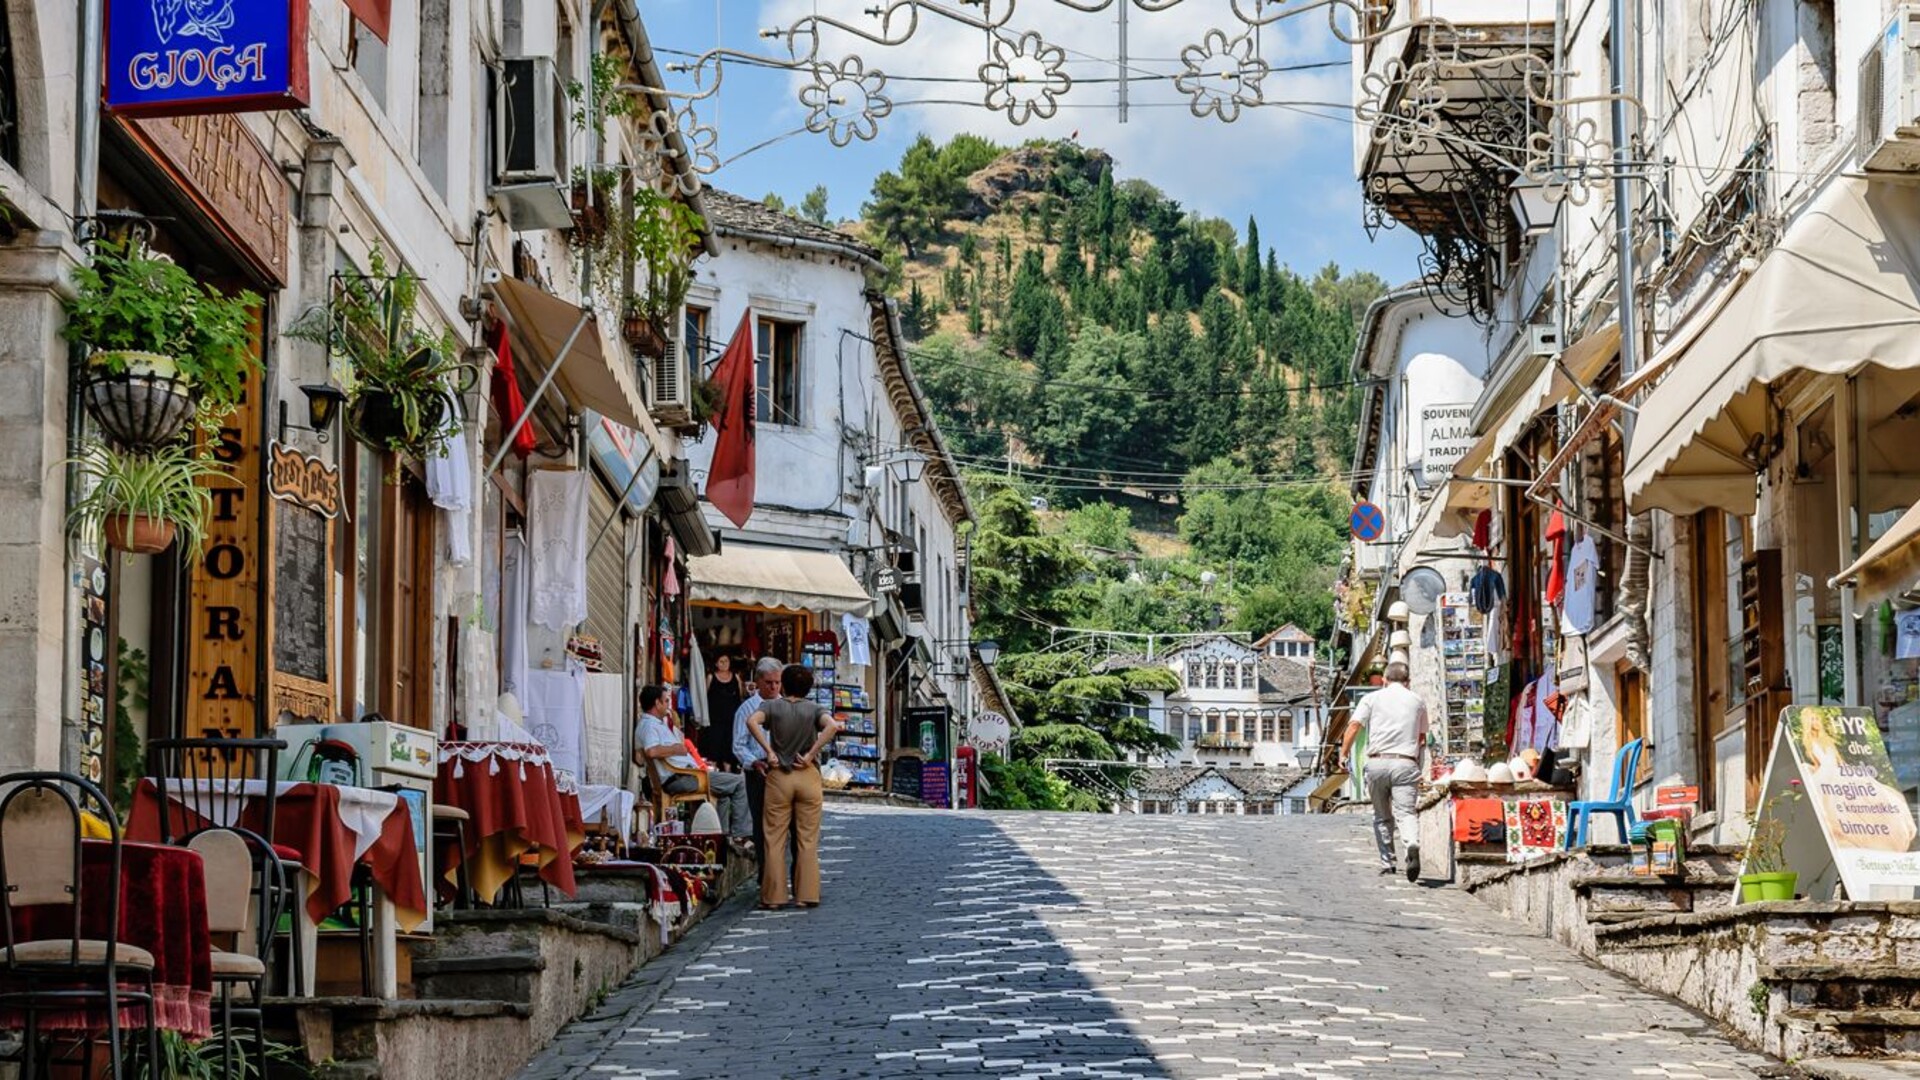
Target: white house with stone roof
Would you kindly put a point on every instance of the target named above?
(1236, 706)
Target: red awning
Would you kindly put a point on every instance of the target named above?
(376, 15)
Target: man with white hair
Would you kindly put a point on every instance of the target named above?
(1395, 720)
(746, 750)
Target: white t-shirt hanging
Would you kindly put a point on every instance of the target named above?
(1906, 644)
(1583, 581)
(859, 648)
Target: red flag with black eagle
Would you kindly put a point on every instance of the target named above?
(730, 477)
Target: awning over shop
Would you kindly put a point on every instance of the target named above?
(1890, 567)
(1840, 291)
(588, 377)
(768, 577)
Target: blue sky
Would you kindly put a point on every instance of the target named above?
(1290, 166)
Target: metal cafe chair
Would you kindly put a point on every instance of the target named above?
(209, 778)
(245, 884)
(40, 864)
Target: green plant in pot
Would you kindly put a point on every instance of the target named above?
(163, 347)
(400, 379)
(665, 236)
(144, 502)
(1764, 873)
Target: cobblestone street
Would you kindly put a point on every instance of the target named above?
(1034, 945)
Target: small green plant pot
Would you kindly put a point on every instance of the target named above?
(1755, 888)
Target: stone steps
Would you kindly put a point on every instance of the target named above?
(1817, 1032)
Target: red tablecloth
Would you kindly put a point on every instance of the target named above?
(163, 909)
(307, 820)
(516, 807)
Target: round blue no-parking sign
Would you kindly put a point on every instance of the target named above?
(1366, 521)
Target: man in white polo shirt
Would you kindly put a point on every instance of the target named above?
(1395, 720)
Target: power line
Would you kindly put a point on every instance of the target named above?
(1150, 393)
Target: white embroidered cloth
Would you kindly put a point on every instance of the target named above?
(363, 811)
(557, 507)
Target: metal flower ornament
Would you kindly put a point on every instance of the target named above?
(1025, 78)
(1568, 159)
(1221, 75)
(1400, 106)
(845, 101)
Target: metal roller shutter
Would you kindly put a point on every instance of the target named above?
(607, 578)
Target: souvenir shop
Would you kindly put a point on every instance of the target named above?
(798, 607)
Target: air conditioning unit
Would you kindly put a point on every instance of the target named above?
(1889, 129)
(670, 384)
(530, 133)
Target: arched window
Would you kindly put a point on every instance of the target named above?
(1213, 675)
(1286, 727)
(1229, 677)
(1247, 678)
(1193, 726)
(1193, 673)
(1266, 726)
(1213, 721)
(1233, 723)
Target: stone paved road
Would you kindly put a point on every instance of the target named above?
(1133, 948)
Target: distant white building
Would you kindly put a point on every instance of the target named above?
(1238, 705)
(1208, 789)
(1289, 642)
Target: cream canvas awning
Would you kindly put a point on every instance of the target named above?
(784, 578)
(588, 377)
(1890, 567)
(1840, 292)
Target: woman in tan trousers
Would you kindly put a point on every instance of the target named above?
(792, 730)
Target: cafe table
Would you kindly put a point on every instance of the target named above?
(163, 909)
(517, 805)
(329, 828)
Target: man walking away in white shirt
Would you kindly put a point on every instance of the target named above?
(1395, 720)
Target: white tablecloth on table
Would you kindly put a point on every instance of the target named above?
(597, 801)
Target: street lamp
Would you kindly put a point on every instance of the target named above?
(1533, 211)
(988, 651)
(323, 404)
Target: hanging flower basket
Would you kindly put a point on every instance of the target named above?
(379, 417)
(645, 338)
(138, 534)
(140, 400)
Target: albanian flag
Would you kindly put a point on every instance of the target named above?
(730, 477)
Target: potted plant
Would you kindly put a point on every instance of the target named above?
(664, 236)
(596, 196)
(142, 503)
(163, 346)
(706, 400)
(1764, 874)
(400, 379)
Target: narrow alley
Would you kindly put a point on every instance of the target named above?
(1043, 945)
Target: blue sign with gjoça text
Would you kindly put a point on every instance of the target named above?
(179, 57)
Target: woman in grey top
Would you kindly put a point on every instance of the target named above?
(792, 730)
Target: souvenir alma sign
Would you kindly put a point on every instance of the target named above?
(303, 480)
(1853, 827)
(176, 57)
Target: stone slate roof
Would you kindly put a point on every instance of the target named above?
(1207, 640)
(732, 214)
(1168, 781)
(1285, 680)
(1118, 662)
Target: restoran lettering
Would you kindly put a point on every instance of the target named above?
(222, 66)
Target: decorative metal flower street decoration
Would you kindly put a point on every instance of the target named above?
(1404, 125)
(845, 100)
(1025, 78)
(1568, 159)
(1221, 75)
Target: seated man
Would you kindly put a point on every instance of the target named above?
(657, 740)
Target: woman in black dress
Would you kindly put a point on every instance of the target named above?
(725, 692)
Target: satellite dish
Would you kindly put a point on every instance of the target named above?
(1421, 589)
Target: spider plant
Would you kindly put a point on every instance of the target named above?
(142, 502)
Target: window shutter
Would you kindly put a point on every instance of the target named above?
(607, 577)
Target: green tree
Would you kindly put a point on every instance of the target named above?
(1024, 580)
(813, 205)
(1250, 271)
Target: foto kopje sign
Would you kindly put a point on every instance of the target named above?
(178, 57)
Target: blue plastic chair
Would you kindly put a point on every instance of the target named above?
(1619, 800)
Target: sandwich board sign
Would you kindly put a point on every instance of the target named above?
(1851, 828)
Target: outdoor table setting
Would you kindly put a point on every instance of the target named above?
(518, 806)
(163, 909)
(328, 827)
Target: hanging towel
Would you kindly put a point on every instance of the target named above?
(450, 487)
(513, 613)
(1583, 586)
(556, 708)
(557, 507)
(859, 649)
(601, 757)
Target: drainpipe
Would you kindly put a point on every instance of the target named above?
(1635, 594)
(636, 35)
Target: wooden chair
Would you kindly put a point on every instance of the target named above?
(40, 863)
(450, 828)
(663, 800)
(244, 891)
